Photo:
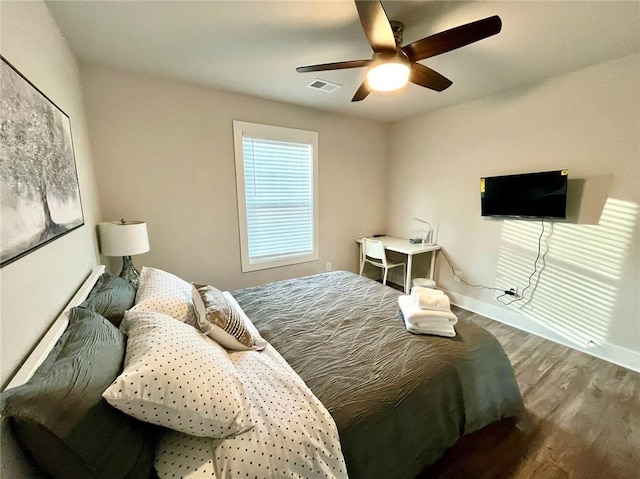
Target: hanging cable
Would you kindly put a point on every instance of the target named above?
(462, 280)
(535, 270)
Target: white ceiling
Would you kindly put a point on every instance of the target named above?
(254, 47)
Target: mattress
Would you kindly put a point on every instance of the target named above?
(398, 399)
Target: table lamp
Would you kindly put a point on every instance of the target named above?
(124, 238)
(426, 233)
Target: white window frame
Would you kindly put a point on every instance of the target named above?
(276, 133)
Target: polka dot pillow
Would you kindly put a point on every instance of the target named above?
(164, 292)
(177, 378)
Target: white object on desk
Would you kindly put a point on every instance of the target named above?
(402, 246)
(426, 233)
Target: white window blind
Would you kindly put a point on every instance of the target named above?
(276, 170)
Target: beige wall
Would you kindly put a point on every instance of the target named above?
(586, 121)
(164, 154)
(35, 288)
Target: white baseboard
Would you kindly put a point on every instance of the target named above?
(609, 352)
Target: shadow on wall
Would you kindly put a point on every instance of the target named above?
(586, 198)
(578, 271)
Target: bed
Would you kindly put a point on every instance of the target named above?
(398, 399)
(337, 386)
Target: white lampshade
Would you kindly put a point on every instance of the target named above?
(123, 238)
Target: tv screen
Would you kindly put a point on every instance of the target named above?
(530, 195)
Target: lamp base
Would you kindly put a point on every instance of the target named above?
(129, 273)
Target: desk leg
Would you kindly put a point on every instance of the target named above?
(408, 274)
(432, 271)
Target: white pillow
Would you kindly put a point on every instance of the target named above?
(164, 292)
(177, 378)
(221, 317)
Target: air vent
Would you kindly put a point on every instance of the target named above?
(324, 85)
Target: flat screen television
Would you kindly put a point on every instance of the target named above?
(529, 195)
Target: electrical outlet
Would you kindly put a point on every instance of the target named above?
(514, 290)
(457, 276)
(329, 266)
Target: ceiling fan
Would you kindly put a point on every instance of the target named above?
(392, 65)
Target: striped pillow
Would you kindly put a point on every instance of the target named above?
(223, 320)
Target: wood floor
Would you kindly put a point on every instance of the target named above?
(582, 418)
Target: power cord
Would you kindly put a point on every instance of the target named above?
(465, 282)
(510, 292)
(535, 270)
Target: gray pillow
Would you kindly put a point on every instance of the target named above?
(60, 418)
(111, 297)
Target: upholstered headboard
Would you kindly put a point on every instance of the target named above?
(53, 405)
(48, 341)
(12, 460)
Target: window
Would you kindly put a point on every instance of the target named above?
(277, 178)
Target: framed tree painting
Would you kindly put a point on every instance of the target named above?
(39, 191)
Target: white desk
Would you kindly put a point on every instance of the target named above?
(402, 246)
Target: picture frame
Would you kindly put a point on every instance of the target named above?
(39, 193)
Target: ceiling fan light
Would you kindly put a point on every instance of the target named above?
(388, 76)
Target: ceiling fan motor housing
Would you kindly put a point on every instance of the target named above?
(398, 30)
(398, 57)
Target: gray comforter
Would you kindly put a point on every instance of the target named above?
(398, 399)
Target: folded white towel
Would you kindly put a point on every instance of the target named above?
(447, 331)
(435, 321)
(420, 290)
(432, 302)
(415, 313)
(422, 321)
(429, 325)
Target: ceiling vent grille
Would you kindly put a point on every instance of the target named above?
(324, 85)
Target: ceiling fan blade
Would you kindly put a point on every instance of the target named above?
(334, 66)
(428, 78)
(376, 26)
(454, 38)
(362, 92)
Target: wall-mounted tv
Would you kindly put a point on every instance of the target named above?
(529, 195)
